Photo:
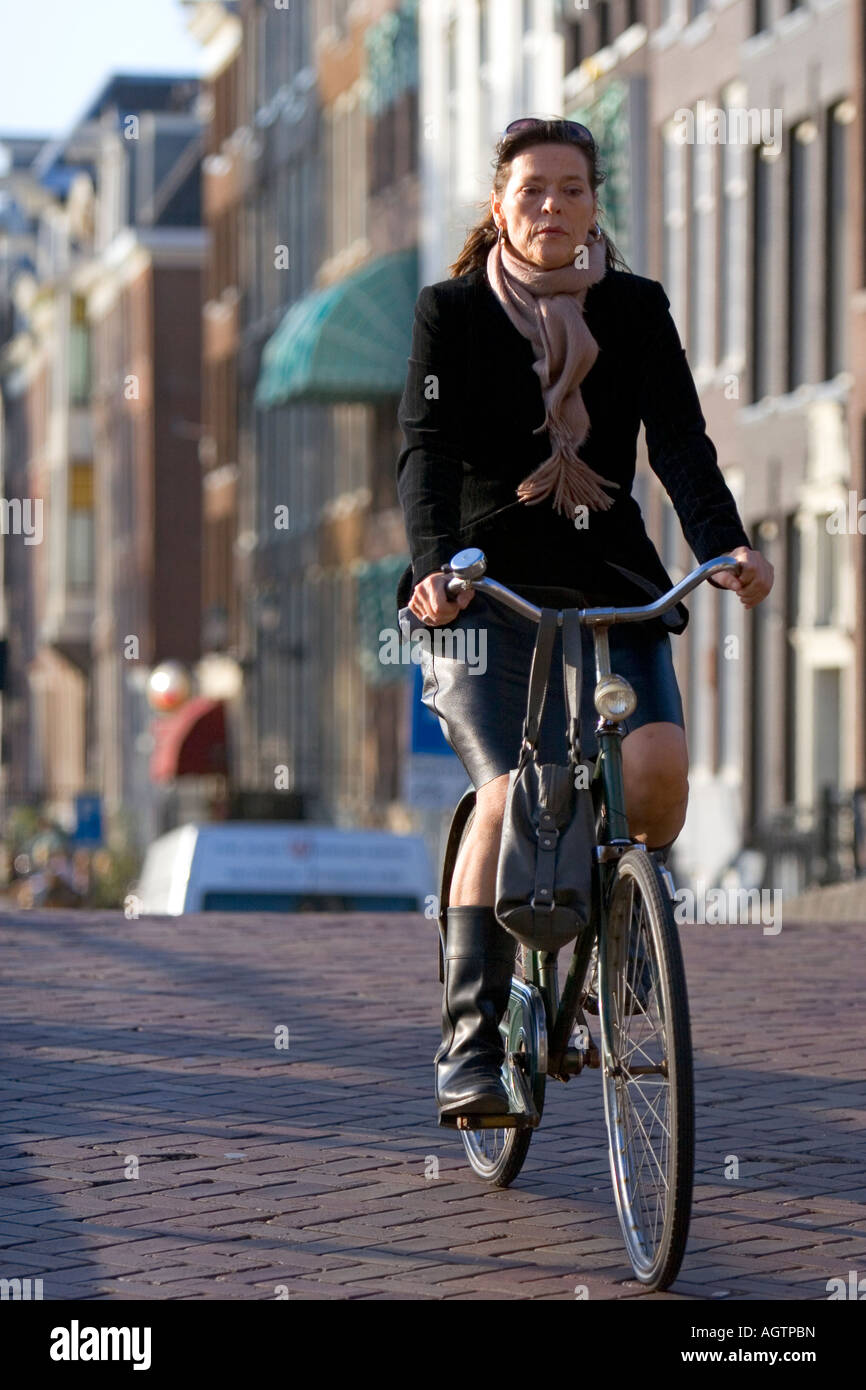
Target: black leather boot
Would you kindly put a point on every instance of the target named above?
(479, 963)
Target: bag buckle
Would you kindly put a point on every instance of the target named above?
(541, 907)
(547, 831)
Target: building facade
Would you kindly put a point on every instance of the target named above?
(102, 389)
(328, 278)
(747, 171)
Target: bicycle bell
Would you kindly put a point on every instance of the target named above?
(469, 564)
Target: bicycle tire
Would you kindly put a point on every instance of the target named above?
(655, 1253)
(509, 1147)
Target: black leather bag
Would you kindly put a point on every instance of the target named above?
(544, 873)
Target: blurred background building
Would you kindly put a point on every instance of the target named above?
(206, 300)
(101, 380)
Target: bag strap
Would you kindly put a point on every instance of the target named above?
(572, 672)
(538, 679)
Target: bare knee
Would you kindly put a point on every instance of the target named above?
(655, 769)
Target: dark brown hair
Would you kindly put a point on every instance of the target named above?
(484, 234)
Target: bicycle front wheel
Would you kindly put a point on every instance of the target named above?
(647, 1059)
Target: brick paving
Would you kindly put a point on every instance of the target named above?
(157, 1144)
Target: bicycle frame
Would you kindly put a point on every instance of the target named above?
(561, 1011)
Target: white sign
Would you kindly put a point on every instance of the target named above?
(431, 782)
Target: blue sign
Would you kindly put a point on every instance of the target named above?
(88, 822)
(427, 735)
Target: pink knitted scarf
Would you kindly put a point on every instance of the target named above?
(546, 306)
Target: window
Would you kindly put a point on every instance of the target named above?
(826, 728)
(700, 683)
(573, 44)
(792, 622)
(761, 15)
(763, 706)
(274, 29)
(528, 79)
(703, 277)
(674, 230)
(835, 238)
(604, 27)
(732, 319)
(729, 726)
(762, 271)
(799, 259)
(453, 115)
(484, 31)
(79, 535)
(347, 171)
(79, 354)
(451, 52)
(828, 558)
(357, 133)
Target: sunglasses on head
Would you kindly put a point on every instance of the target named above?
(574, 128)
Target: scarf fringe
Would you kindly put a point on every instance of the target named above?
(566, 475)
(573, 484)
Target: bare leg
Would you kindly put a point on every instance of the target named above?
(655, 772)
(474, 880)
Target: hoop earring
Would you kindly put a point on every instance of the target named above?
(501, 234)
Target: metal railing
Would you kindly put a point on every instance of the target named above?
(819, 845)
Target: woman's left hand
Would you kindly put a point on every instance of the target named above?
(755, 578)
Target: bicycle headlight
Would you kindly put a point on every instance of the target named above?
(614, 698)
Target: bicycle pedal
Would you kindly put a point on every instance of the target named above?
(509, 1121)
(512, 1119)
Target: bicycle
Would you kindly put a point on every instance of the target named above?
(641, 996)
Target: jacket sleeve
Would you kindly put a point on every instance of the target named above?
(681, 454)
(430, 467)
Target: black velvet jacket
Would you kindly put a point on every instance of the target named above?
(471, 402)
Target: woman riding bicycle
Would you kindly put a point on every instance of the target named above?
(530, 373)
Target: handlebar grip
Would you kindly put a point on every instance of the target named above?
(736, 572)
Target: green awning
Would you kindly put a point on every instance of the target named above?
(377, 582)
(347, 343)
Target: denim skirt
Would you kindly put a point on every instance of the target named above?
(476, 680)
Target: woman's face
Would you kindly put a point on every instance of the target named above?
(549, 188)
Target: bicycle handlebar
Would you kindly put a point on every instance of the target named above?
(468, 568)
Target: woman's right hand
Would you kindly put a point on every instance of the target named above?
(431, 604)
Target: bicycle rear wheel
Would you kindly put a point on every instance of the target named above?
(497, 1155)
(647, 1059)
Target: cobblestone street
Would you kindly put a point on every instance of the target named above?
(158, 1142)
